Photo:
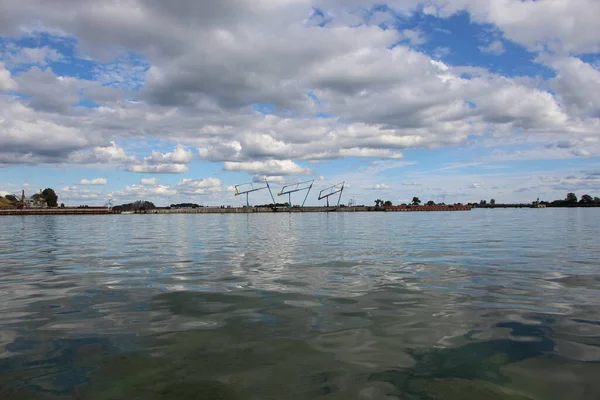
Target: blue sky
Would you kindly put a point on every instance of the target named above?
(456, 101)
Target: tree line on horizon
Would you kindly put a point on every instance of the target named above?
(415, 202)
(570, 200)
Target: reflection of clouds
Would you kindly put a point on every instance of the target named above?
(6, 338)
(577, 351)
(17, 297)
(360, 346)
(553, 378)
(392, 281)
(293, 253)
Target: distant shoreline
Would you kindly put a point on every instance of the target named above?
(230, 210)
(253, 210)
(543, 205)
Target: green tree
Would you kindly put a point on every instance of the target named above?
(571, 198)
(62, 205)
(586, 199)
(12, 198)
(387, 203)
(493, 201)
(50, 196)
(416, 201)
(431, 203)
(596, 200)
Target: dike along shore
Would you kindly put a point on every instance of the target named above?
(229, 210)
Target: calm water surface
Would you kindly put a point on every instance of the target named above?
(487, 304)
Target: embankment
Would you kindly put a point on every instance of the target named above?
(227, 210)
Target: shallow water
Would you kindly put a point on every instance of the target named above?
(494, 304)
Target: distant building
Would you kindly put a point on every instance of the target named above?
(537, 204)
(36, 201)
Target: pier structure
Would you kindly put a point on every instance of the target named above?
(59, 211)
(228, 210)
(437, 207)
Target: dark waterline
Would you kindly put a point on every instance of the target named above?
(489, 304)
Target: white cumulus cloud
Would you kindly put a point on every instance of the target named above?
(578, 86)
(141, 192)
(496, 47)
(149, 181)
(269, 167)
(158, 168)
(197, 84)
(381, 186)
(6, 81)
(200, 186)
(180, 155)
(32, 55)
(96, 181)
(378, 153)
(164, 163)
(111, 154)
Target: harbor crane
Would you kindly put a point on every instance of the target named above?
(247, 188)
(330, 191)
(296, 187)
(109, 204)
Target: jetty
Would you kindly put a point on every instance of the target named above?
(228, 210)
(59, 211)
(437, 207)
(252, 210)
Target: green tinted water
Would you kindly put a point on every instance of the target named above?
(494, 304)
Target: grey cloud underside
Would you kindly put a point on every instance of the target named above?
(578, 86)
(211, 61)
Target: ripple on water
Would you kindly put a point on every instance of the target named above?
(297, 306)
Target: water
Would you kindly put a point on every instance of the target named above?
(487, 304)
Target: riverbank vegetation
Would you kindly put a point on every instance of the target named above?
(570, 200)
(6, 203)
(140, 205)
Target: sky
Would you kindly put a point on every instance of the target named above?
(447, 100)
